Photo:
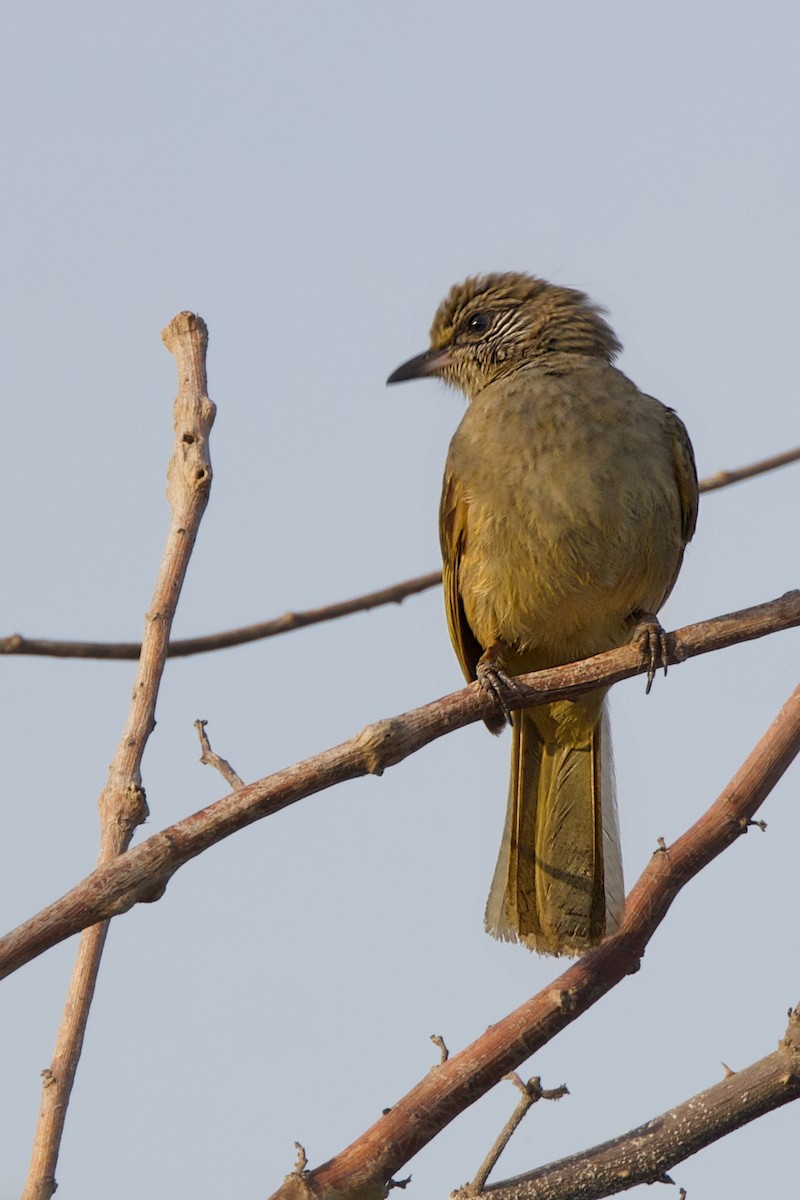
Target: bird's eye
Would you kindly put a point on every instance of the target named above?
(478, 323)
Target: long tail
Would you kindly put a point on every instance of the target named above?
(558, 882)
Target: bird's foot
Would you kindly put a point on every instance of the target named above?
(492, 677)
(653, 646)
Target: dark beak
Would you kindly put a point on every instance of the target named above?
(429, 363)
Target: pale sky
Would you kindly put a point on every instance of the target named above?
(312, 179)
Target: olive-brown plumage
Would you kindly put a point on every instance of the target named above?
(568, 499)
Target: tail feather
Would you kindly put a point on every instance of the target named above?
(613, 881)
(558, 882)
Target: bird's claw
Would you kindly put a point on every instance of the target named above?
(499, 686)
(653, 647)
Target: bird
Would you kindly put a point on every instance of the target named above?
(569, 497)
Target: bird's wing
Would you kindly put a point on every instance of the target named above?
(685, 473)
(452, 535)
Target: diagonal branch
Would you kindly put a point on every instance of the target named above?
(142, 874)
(362, 1171)
(644, 1155)
(16, 643)
(122, 803)
(532, 1093)
(723, 478)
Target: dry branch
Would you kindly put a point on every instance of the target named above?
(183, 647)
(532, 1093)
(142, 874)
(723, 478)
(362, 1171)
(645, 1154)
(16, 643)
(209, 759)
(122, 803)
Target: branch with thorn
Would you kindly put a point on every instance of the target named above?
(445, 1092)
(647, 1153)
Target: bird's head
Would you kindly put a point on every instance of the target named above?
(491, 325)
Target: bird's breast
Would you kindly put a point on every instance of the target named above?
(572, 515)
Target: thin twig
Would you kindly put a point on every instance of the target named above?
(122, 803)
(532, 1091)
(142, 874)
(17, 643)
(209, 759)
(183, 647)
(721, 479)
(645, 1154)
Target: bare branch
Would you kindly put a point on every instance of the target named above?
(182, 647)
(142, 874)
(359, 1172)
(532, 1091)
(122, 803)
(645, 1154)
(16, 643)
(723, 478)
